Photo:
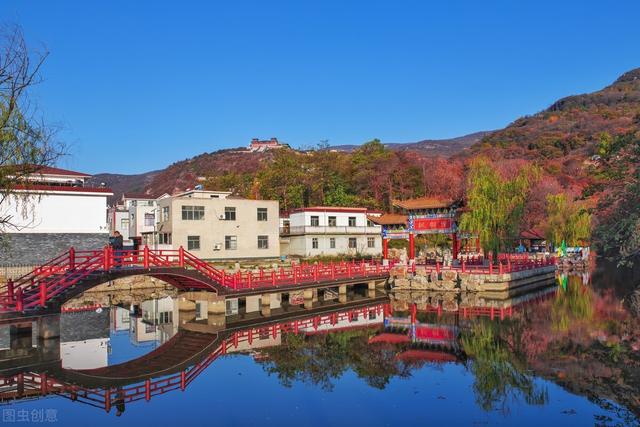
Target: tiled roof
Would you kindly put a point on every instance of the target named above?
(388, 219)
(47, 170)
(424, 203)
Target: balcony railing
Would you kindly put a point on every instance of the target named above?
(321, 229)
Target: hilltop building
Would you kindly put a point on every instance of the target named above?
(53, 210)
(324, 230)
(258, 145)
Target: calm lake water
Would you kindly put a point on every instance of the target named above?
(563, 355)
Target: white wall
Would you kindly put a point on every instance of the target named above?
(87, 354)
(298, 219)
(303, 245)
(58, 212)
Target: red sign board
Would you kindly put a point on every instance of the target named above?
(432, 224)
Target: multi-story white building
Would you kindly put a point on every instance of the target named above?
(53, 210)
(214, 226)
(322, 230)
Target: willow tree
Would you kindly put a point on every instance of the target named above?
(26, 142)
(495, 203)
(566, 220)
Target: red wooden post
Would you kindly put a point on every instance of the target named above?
(385, 248)
(501, 313)
(147, 390)
(107, 400)
(333, 271)
(183, 380)
(105, 258)
(491, 312)
(145, 257)
(414, 312)
(181, 256)
(412, 249)
(508, 264)
(437, 267)
(43, 293)
(19, 300)
(315, 273)
(249, 278)
(500, 270)
(464, 270)
(490, 266)
(43, 383)
(349, 270)
(10, 290)
(72, 258)
(273, 278)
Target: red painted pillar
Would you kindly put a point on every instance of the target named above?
(10, 290)
(145, 258)
(412, 249)
(183, 380)
(454, 244)
(72, 258)
(414, 313)
(385, 248)
(19, 300)
(478, 244)
(43, 294)
(181, 256)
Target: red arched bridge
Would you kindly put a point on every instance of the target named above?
(64, 277)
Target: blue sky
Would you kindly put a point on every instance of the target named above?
(138, 85)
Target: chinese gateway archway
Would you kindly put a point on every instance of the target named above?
(425, 215)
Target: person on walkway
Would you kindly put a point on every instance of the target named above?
(117, 244)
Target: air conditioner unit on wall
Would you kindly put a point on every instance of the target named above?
(217, 247)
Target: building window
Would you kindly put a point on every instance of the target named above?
(229, 214)
(371, 242)
(124, 224)
(263, 242)
(149, 219)
(314, 243)
(165, 213)
(353, 243)
(332, 242)
(370, 223)
(193, 243)
(192, 213)
(164, 238)
(352, 221)
(332, 221)
(231, 243)
(315, 221)
(262, 214)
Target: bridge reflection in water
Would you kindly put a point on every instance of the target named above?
(424, 325)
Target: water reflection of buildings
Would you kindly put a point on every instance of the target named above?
(194, 329)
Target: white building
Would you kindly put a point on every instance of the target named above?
(53, 210)
(321, 230)
(212, 225)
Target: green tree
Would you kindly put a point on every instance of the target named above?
(567, 221)
(496, 204)
(284, 179)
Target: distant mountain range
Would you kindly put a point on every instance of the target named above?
(429, 147)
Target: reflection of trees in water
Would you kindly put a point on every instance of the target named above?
(319, 359)
(573, 302)
(498, 367)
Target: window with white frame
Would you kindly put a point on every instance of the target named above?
(353, 243)
(165, 213)
(229, 213)
(263, 242)
(192, 213)
(332, 242)
(371, 242)
(262, 214)
(149, 219)
(231, 243)
(314, 243)
(193, 243)
(124, 224)
(315, 221)
(352, 221)
(332, 221)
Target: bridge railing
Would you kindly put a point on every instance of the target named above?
(67, 270)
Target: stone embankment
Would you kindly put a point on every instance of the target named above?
(454, 280)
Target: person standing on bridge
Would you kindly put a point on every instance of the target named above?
(117, 244)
